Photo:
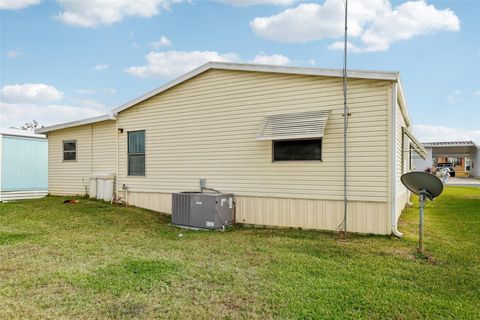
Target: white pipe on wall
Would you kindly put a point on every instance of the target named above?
(393, 163)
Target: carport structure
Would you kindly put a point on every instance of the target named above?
(465, 155)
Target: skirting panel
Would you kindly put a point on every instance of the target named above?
(402, 200)
(19, 195)
(363, 216)
(161, 202)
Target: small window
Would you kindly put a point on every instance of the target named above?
(136, 153)
(294, 150)
(69, 150)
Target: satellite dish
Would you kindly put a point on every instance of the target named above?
(426, 185)
(422, 182)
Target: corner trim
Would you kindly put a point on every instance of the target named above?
(393, 163)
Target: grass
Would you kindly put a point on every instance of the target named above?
(94, 260)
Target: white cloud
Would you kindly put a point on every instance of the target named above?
(455, 96)
(22, 103)
(162, 42)
(173, 63)
(408, 20)
(85, 91)
(90, 103)
(110, 91)
(135, 45)
(374, 23)
(339, 45)
(476, 93)
(17, 4)
(246, 3)
(93, 13)
(16, 114)
(430, 133)
(12, 53)
(275, 59)
(101, 67)
(306, 22)
(30, 92)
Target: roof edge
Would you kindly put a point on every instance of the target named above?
(328, 72)
(403, 104)
(361, 74)
(457, 143)
(75, 123)
(21, 133)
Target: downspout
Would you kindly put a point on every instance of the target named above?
(393, 164)
(91, 161)
(91, 149)
(116, 160)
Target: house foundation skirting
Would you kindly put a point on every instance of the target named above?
(364, 216)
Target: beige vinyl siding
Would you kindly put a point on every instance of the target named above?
(70, 177)
(104, 147)
(206, 127)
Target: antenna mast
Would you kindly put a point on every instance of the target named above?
(346, 114)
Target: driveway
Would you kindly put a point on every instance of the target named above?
(466, 182)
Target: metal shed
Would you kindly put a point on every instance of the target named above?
(23, 165)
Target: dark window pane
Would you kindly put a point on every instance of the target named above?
(69, 155)
(136, 165)
(136, 153)
(297, 150)
(69, 146)
(136, 142)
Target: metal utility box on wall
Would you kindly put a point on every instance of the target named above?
(206, 210)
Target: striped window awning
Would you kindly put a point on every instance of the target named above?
(299, 125)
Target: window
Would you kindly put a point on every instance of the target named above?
(290, 150)
(456, 161)
(69, 150)
(136, 153)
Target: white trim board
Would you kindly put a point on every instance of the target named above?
(76, 123)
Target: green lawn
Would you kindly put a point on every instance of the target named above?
(94, 260)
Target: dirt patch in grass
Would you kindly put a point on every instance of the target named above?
(126, 309)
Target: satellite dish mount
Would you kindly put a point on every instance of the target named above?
(426, 186)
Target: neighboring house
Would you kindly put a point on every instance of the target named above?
(23, 165)
(464, 155)
(271, 135)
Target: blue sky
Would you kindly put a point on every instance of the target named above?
(62, 61)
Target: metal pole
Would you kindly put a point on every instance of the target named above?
(420, 225)
(345, 124)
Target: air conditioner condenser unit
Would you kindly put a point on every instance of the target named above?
(205, 210)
